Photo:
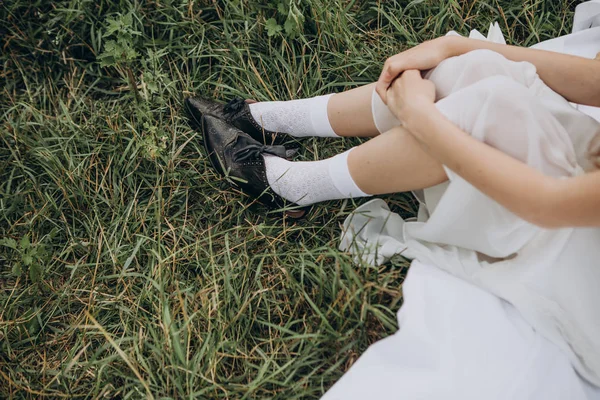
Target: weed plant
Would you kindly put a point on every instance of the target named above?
(128, 268)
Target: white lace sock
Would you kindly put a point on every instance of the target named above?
(300, 118)
(308, 182)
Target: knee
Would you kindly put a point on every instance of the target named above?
(504, 89)
(480, 64)
(481, 59)
(499, 92)
(462, 71)
(474, 64)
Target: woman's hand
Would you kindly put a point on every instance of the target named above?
(425, 56)
(409, 96)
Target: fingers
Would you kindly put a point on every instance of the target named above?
(407, 91)
(382, 86)
(391, 69)
(396, 84)
(382, 93)
(411, 74)
(403, 79)
(391, 89)
(392, 96)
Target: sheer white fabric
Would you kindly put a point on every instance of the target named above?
(544, 282)
(459, 342)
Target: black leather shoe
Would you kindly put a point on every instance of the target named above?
(238, 156)
(236, 113)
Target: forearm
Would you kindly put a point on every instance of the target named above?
(537, 198)
(577, 202)
(575, 78)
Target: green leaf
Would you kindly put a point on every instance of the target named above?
(35, 272)
(291, 28)
(33, 326)
(42, 252)
(27, 259)
(53, 233)
(114, 25)
(108, 58)
(25, 243)
(9, 242)
(273, 28)
(282, 9)
(130, 54)
(16, 270)
(127, 20)
(152, 87)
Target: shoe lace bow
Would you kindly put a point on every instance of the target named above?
(234, 106)
(251, 150)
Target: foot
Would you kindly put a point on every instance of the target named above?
(236, 113)
(235, 154)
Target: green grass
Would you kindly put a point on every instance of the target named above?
(128, 269)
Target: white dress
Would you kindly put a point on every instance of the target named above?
(495, 308)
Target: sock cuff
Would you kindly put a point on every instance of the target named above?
(319, 118)
(340, 174)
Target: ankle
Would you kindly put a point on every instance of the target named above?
(309, 182)
(299, 118)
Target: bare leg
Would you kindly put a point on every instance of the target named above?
(393, 162)
(350, 113)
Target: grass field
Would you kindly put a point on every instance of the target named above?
(128, 269)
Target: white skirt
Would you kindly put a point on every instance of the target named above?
(514, 315)
(458, 342)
